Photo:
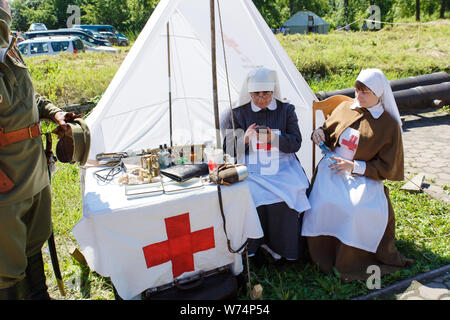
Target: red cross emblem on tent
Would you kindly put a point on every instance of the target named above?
(351, 144)
(180, 246)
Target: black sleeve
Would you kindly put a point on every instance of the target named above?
(291, 141)
(228, 146)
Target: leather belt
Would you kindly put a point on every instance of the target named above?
(19, 135)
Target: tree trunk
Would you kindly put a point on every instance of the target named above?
(346, 3)
(291, 7)
(417, 10)
(442, 9)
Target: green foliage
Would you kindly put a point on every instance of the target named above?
(139, 13)
(429, 10)
(112, 12)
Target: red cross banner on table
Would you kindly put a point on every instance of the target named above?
(180, 246)
(150, 241)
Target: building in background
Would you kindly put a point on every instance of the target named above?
(307, 22)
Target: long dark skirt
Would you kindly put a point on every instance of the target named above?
(282, 231)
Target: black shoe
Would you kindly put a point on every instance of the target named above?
(15, 292)
(35, 278)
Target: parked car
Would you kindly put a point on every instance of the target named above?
(111, 37)
(37, 27)
(67, 32)
(93, 48)
(94, 34)
(51, 46)
(121, 39)
(96, 27)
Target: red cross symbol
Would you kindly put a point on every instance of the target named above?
(180, 246)
(351, 144)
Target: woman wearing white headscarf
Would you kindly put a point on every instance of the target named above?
(276, 178)
(351, 224)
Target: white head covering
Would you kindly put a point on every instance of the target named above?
(376, 81)
(259, 79)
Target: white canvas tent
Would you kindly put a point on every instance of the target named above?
(133, 113)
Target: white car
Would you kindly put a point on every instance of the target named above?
(93, 48)
(37, 27)
(51, 46)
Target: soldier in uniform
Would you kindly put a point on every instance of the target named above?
(25, 198)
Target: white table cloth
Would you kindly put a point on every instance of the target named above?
(149, 241)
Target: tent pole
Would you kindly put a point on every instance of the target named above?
(228, 84)
(170, 85)
(214, 74)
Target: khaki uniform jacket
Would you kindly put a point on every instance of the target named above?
(23, 162)
(380, 141)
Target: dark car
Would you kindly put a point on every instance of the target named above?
(111, 37)
(121, 39)
(93, 34)
(67, 32)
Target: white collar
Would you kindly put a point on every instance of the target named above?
(272, 106)
(376, 111)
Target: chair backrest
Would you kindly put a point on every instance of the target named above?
(326, 106)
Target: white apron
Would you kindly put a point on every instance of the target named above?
(274, 176)
(352, 208)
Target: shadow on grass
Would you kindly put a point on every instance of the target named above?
(87, 278)
(85, 287)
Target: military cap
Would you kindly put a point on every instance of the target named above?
(74, 146)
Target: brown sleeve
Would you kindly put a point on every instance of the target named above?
(388, 162)
(330, 125)
(46, 109)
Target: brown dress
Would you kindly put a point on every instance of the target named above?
(380, 146)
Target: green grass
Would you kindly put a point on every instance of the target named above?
(74, 78)
(331, 62)
(328, 62)
(422, 233)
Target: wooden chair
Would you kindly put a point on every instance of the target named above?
(326, 106)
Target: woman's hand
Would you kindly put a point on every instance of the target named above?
(318, 136)
(249, 133)
(265, 136)
(341, 165)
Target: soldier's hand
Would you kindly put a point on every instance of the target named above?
(61, 118)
